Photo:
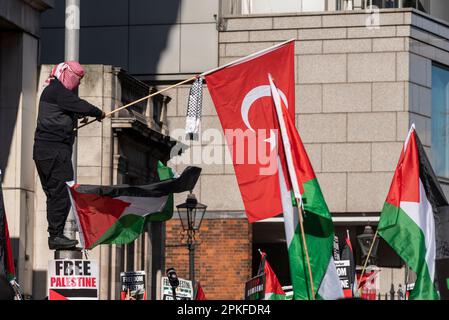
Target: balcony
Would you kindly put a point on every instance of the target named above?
(242, 7)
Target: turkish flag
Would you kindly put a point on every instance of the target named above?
(242, 97)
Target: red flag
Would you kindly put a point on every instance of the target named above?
(348, 254)
(273, 289)
(242, 97)
(6, 256)
(200, 293)
(369, 285)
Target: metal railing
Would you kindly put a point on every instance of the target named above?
(393, 294)
(238, 7)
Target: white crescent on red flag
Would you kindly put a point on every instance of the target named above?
(242, 97)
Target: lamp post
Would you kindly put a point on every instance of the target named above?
(71, 53)
(365, 241)
(191, 214)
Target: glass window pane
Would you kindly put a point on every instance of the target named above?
(440, 120)
(276, 6)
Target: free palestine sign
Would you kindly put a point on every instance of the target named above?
(72, 279)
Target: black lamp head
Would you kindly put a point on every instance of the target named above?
(172, 277)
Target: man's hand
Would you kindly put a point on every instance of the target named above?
(85, 120)
(103, 115)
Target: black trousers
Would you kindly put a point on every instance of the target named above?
(54, 167)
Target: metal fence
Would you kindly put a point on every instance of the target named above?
(393, 294)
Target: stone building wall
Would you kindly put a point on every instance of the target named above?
(94, 167)
(359, 87)
(112, 151)
(19, 48)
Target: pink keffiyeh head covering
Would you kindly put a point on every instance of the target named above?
(69, 73)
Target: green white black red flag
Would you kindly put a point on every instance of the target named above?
(118, 214)
(273, 289)
(410, 214)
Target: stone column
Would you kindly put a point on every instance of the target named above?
(18, 81)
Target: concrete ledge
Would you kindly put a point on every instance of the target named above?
(215, 215)
(40, 5)
(69, 254)
(333, 19)
(24, 14)
(319, 13)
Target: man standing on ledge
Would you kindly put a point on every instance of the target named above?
(59, 111)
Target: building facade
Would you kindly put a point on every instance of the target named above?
(19, 48)
(363, 76)
(122, 149)
(362, 79)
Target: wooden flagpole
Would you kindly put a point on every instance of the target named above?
(291, 174)
(248, 57)
(253, 55)
(366, 261)
(406, 281)
(139, 100)
(303, 235)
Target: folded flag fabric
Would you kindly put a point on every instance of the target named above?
(273, 289)
(298, 181)
(118, 214)
(348, 254)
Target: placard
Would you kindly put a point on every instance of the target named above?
(183, 292)
(254, 288)
(133, 282)
(343, 270)
(72, 279)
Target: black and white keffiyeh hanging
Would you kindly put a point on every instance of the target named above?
(194, 109)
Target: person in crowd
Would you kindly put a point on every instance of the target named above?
(59, 111)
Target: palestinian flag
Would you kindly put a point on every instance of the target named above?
(245, 104)
(6, 257)
(199, 293)
(408, 218)
(118, 214)
(273, 289)
(298, 181)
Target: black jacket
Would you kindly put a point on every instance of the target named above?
(59, 110)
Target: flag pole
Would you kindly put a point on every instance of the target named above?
(253, 55)
(303, 236)
(248, 57)
(366, 260)
(140, 100)
(406, 281)
(291, 174)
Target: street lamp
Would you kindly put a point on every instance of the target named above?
(191, 214)
(173, 280)
(365, 240)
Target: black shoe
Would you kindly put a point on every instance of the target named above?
(61, 242)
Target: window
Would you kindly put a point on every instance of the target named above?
(422, 5)
(276, 6)
(440, 120)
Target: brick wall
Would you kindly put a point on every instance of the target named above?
(222, 259)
